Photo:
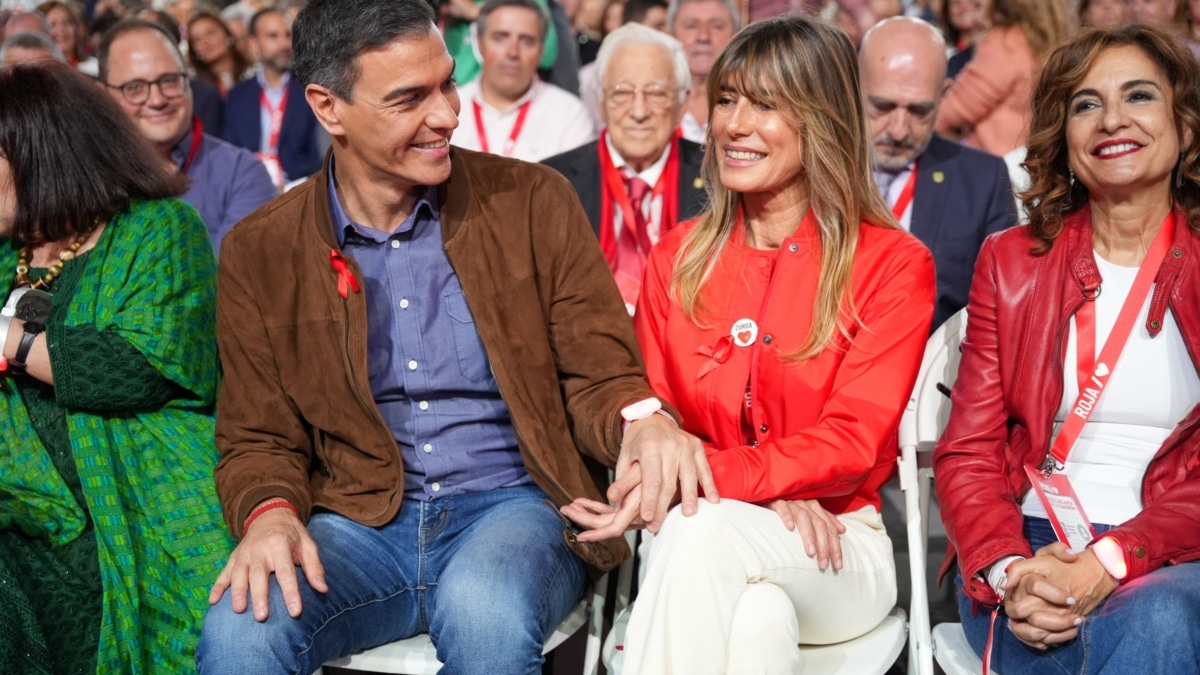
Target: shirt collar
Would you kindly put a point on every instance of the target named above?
(527, 96)
(425, 209)
(652, 172)
(262, 81)
(180, 152)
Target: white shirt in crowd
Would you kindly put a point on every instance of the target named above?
(557, 121)
(693, 130)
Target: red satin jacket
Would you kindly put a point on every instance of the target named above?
(1010, 384)
(820, 428)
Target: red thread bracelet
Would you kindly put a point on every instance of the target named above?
(268, 506)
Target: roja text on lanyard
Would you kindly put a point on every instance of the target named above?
(1053, 489)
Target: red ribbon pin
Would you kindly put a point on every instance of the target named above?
(346, 278)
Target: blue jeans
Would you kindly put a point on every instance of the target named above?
(1149, 625)
(487, 575)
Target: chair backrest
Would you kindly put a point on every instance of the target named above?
(924, 418)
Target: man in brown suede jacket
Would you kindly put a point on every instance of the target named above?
(425, 357)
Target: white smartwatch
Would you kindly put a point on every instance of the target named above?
(641, 410)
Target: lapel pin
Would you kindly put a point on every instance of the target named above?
(939, 177)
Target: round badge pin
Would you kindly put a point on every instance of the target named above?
(744, 332)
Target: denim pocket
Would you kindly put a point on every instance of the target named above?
(472, 359)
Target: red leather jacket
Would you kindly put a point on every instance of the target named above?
(1010, 384)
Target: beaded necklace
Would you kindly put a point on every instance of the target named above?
(64, 256)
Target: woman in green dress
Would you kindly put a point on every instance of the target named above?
(110, 529)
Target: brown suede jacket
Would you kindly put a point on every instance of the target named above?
(295, 417)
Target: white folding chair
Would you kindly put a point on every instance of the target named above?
(417, 655)
(924, 419)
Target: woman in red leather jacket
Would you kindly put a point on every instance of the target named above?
(1103, 288)
(786, 325)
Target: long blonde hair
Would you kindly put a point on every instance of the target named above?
(807, 70)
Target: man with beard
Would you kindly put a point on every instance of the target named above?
(949, 196)
(268, 114)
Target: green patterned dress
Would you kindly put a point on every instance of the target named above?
(109, 528)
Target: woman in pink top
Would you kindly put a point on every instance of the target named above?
(988, 106)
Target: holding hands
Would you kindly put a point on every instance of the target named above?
(1048, 595)
(659, 462)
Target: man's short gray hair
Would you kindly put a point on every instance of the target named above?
(632, 34)
(735, 16)
(31, 39)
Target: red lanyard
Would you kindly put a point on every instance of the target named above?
(197, 136)
(1094, 374)
(906, 195)
(512, 137)
(276, 117)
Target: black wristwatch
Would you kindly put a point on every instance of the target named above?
(33, 308)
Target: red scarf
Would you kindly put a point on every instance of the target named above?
(613, 192)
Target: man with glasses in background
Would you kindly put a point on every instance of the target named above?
(641, 177)
(142, 68)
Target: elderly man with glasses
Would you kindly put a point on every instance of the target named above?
(641, 178)
(142, 68)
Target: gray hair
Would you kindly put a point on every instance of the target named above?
(632, 34)
(734, 15)
(31, 39)
(493, 5)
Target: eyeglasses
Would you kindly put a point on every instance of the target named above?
(656, 95)
(137, 92)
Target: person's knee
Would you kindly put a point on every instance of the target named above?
(705, 535)
(237, 643)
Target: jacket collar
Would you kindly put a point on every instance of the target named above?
(454, 197)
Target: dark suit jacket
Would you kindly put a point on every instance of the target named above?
(581, 167)
(207, 105)
(298, 151)
(962, 196)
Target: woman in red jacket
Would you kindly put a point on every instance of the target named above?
(1075, 409)
(786, 325)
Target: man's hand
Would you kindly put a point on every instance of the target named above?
(604, 521)
(1039, 611)
(819, 529)
(276, 542)
(669, 458)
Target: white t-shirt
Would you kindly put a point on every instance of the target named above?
(557, 121)
(1152, 388)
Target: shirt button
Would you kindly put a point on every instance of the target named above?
(766, 339)
(435, 487)
(412, 365)
(395, 243)
(763, 428)
(423, 405)
(404, 303)
(428, 447)
(793, 248)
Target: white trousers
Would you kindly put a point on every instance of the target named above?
(731, 590)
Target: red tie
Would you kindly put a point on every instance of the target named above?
(633, 245)
(638, 189)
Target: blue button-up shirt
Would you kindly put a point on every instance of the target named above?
(429, 373)
(227, 183)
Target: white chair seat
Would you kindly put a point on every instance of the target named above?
(952, 652)
(874, 652)
(417, 656)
